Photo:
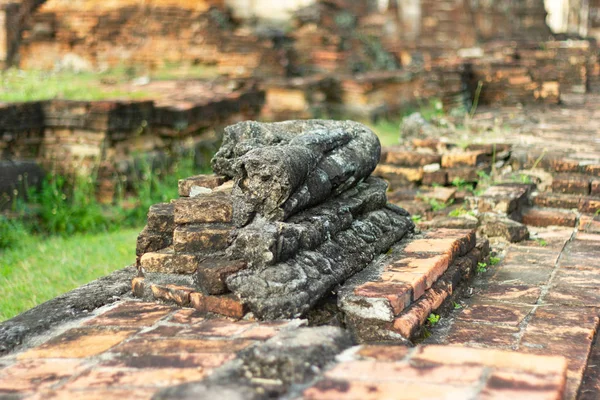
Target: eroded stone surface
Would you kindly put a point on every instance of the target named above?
(283, 168)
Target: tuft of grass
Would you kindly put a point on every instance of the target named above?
(39, 269)
(542, 242)
(494, 260)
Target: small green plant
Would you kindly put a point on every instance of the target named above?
(459, 212)
(433, 319)
(481, 267)
(494, 260)
(457, 306)
(437, 205)
(542, 242)
(522, 178)
(416, 218)
(461, 184)
(484, 176)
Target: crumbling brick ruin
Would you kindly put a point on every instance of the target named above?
(292, 214)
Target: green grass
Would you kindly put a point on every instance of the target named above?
(19, 86)
(388, 131)
(39, 269)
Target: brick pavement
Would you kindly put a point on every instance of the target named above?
(542, 298)
(135, 350)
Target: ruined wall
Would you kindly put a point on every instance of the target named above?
(108, 138)
(94, 34)
(91, 33)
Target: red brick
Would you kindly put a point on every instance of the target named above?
(431, 268)
(511, 315)
(103, 378)
(593, 170)
(209, 208)
(466, 174)
(201, 238)
(227, 305)
(172, 293)
(503, 198)
(464, 159)
(207, 181)
(212, 274)
(563, 321)
(173, 346)
(383, 352)
(595, 187)
(35, 375)
(498, 359)
(573, 296)
(391, 371)
(398, 294)
(407, 323)
(589, 205)
(543, 218)
(435, 178)
(217, 328)
(552, 200)
(528, 274)
(132, 314)
(161, 218)
(99, 394)
(417, 282)
(589, 223)
(517, 385)
(263, 331)
(406, 158)
(494, 336)
(79, 343)
(168, 263)
(512, 293)
(188, 316)
(392, 173)
(571, 183)
(329, 389)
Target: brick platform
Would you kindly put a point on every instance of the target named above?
(135, 350)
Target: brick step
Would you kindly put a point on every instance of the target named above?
(555, 161)
(585, 185)
(543, 217)
(439, 372)
(583, 204)
(393, 298)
